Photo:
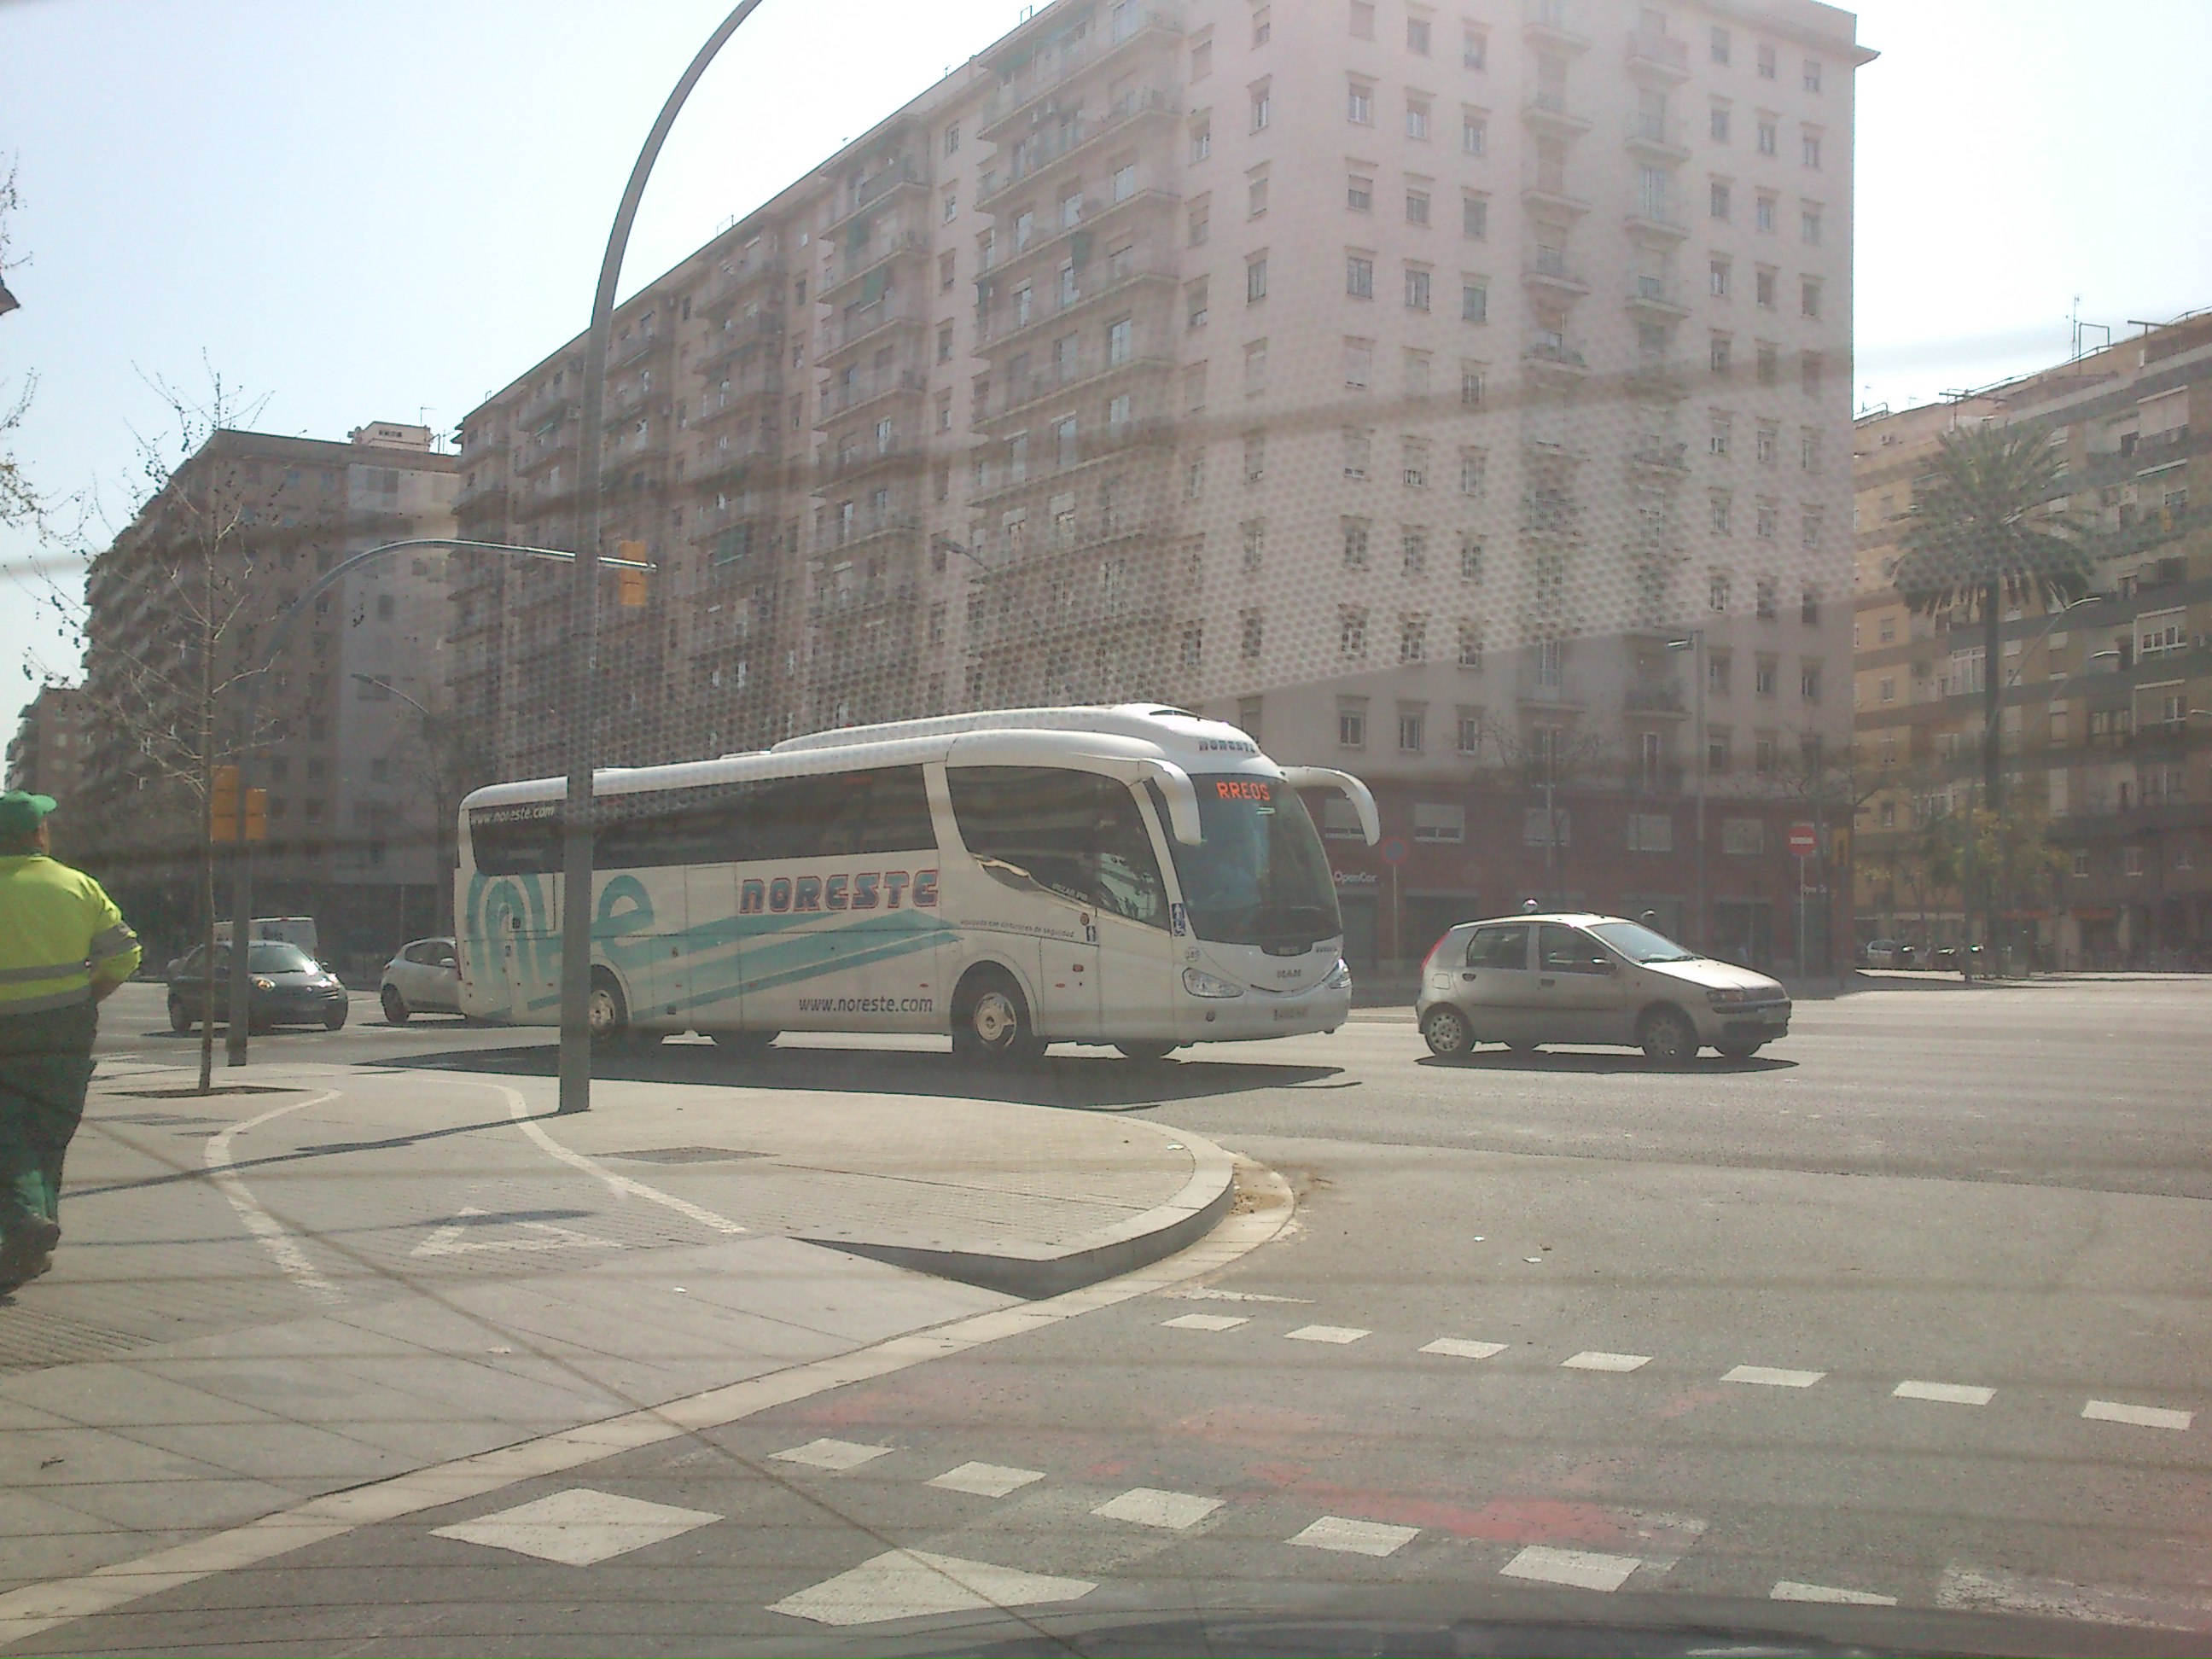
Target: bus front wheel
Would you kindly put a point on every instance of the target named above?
(990, 1020)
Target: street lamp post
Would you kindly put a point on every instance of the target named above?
(1694, 643)
(575, 1095)
(241, 927)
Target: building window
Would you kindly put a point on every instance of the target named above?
(1202, 220)
(1359, 104)
(1717, 278)
(1254, 531)
(1414, 551)
(1763, 216)
(1357, 446)
(953, 139)
(1473, 133)
(1201, 142)
(1350, 734)
(1809, 226)
(1360, 363)
(1194, 304)
(1724, 426)
(1718, 198)
(1769, 62)
(1360, 193)
(1650, 832)
(1260, 107)
(1763, 289)
(1808, 681)
(1415, 466)
(1720, 502)
(1473, 468)
(1362, 19)
(1417, 207)
(1417, 36)
(1473, 301)
(1355, 543)
(1417, 289)
(1717, 353)
(1255, 279)
(1416, 118)
(1263, 26)
(1811, 151)
(1412, 730)
(1351, 632)
(1808, 373)
(1717, 123)
(1765, 672)
(1470, 557)
(1717, 591)
(1201, 60)
(1470, 647)
(1251, 635)
(1811, 81)
(1439, 820)
(1359, 277)
(1717, 45)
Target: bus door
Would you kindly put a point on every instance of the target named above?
(1134, 970)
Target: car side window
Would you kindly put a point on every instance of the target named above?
(1498, 947)
(441, 956)
(1569, 951)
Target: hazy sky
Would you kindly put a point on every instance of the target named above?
(387, 211)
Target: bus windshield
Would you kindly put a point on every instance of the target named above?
(1260, 876)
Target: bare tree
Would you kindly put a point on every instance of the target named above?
(166, 626)
(20, 505)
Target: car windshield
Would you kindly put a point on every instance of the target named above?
(1259, 876)
(1640, 944)
(275, 956)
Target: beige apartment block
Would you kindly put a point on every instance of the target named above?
(356, 754)
(2103, 735)
(53, 742)
(1397, 381)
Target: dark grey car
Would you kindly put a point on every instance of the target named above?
(285, 986)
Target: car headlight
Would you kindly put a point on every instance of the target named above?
(1339, 977)
(1729, 997)
(265, 984)
(1201, 983)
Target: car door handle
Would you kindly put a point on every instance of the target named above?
(1548, 981)
(1468, 975)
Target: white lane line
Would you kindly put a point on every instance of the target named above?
(1769, 1376)
(30, 1610)
(1975, 1589)
(1459, 1349)
(837, 1456)
(1207, 1293)
(1582, 1569)
(915, 1583)
(291, 1260)
(452, 1238)
(1372, 1538)
(1205, 1322)
(1592, 1359)
(1788, 1590)
(1148, 1506)
(580, 1526)
(621, 1186)
(1339, 1333)
(2144, 1417)
(1949, 1394)
(985, 1479)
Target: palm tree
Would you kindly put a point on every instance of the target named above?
(1983, 534)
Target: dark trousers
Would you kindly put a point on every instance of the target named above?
(45, 1067)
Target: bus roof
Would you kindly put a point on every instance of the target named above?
(1131, 729)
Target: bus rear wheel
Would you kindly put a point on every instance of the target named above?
(991, 1021)
(606, 1012)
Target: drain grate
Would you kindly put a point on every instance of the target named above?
(684, 1155)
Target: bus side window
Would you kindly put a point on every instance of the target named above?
(1129, 881)
(1039, 820)
(898, 819)
(516, 847)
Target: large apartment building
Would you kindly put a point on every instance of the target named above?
(352, 753)
(1397, 382)
(2104, 732)
(48, 752)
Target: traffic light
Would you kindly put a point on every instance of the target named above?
(222, 803)
(257, 815)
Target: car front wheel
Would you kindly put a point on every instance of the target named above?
(335, 1020)
(1739, 1050)
(1447, 1032)
(180, 1017)
(395, 1010)
(1668, 1038)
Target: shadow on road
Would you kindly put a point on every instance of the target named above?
(1078, 1082)
(1504, 1060)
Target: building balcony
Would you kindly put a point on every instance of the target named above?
(542, 453)
(764, 330)
(861, 602)
(1551, 24)
(725, 289)
(1654, 781)
(833, 471)
(1023, 99)
(1657, 223)
(1017, 398)
(1652, 298)
(997, 333)
(866, 389)
(1048, 250)
(890, 183)
(1095, 448)
(870, 324)
(1550, 354)
(1657, 138)
(858, 264)
(1658, 455)
(1661, 54)
(638, 346)
(484, 444)
(747, 398)
(865, 531)
(1072, 137)
(1546, 192)
(1652, 696)
(760, 464)
(1550, 271)
(1546, 111)
(548, 407)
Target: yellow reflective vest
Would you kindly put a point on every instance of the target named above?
(58, 932)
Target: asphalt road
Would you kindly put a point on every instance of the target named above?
(1894, 1336)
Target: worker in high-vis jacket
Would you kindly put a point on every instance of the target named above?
(63, 947)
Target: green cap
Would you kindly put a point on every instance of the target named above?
(21, 812)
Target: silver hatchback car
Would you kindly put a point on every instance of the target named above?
(1529, 980)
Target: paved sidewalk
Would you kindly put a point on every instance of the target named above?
(358, 1270)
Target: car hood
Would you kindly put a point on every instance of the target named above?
(1709, 975)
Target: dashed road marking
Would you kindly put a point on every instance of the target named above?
(1594, 1359)
(1207, 1293)
(834, 1455)
(914, 1584)
(1334, 1532)
(1327, 1334)
(1949, 1394)
(1147, 1506)
(1206, 1321)
(2144, 1417)
(1770, 1378)
(579, 1527)
(1582, 1569)
(452, 1238)
(1788, 1590)
(987, 1480)
(1459, 1349)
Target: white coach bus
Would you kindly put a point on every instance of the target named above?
(1133, 876)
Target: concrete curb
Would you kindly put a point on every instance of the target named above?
(1016, 1267)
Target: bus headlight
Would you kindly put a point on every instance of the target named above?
(1339, 977)
(1199, 983)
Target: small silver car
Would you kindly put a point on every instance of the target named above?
(1529, 980)
(425, 977)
